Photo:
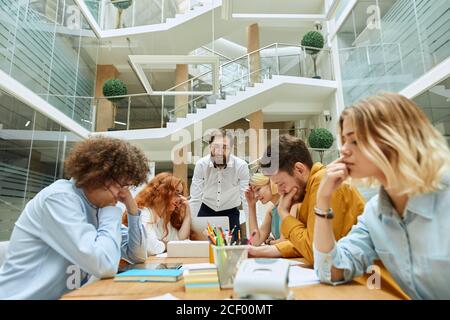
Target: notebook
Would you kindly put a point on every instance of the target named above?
(144, 275)
(151, 266)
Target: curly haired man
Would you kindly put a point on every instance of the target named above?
(72, 228)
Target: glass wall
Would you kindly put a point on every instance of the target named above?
(48, 46)
(340, 8)
(32, 150)
(95, 7)
(435, 102)
(127, 14)
(388, 44)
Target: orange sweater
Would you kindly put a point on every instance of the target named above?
(347, 204)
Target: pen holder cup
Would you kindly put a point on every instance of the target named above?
(227, 260)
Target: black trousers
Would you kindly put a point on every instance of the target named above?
(232, 214)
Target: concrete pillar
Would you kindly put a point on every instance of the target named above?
(105, 109)
(256, 118)
(252, 45)
(181, 109)
(181, 75)
(256, 145)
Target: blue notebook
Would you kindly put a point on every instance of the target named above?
(144, 275)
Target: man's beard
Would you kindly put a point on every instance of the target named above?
(222, 163)
(300, 195)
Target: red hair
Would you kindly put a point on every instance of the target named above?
(160, 191)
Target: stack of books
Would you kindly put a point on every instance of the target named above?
(144, 275)
(201, 277)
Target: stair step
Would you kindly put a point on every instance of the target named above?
(171, 20)
(185, 15)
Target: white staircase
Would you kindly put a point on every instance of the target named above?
(278, 89)
(283, 83)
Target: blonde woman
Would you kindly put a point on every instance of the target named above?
(264, 190)
(388, 139)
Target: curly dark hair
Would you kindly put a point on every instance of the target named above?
(97, 160)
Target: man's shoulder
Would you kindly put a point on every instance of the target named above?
(59, 189)
(202, 161)
(239, 162)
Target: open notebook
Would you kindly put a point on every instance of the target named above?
(144, 275)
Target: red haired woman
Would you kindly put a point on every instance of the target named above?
(166, 214)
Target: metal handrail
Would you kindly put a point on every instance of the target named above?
(190, 101)
(227, 63)
(245, 76)
(248, 54)
(245, 55)
(217, 53)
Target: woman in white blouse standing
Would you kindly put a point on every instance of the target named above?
(166, 214)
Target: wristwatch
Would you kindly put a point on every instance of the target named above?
(329, 214)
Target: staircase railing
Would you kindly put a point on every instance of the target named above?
(144, 12)
(143, 110)
(274, 59)
(201, 101)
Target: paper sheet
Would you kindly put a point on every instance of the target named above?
(162, 255)
(198, 266)
(299, 276)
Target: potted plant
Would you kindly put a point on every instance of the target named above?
(121, 5)
(312, 40)
(320, 139)
(113, 88)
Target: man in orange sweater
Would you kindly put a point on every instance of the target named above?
(298, 179)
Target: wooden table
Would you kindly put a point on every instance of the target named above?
(109, 290)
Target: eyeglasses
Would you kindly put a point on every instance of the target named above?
(124, 186)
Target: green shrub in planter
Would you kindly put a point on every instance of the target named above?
(125, 4)
(114, 87)
(320, 138)
(313, 39)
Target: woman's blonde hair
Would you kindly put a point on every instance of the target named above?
(260, 180)
(394, 134)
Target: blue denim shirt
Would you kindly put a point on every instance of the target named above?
(415, 249)
(58, 232)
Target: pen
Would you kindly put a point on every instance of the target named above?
(222, 234)
(250, 240)
(232, 230)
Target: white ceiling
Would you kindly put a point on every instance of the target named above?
(279, 6)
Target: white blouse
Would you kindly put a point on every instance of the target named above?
(154, 226)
